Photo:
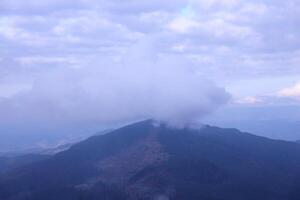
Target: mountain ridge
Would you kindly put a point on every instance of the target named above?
(143, 161)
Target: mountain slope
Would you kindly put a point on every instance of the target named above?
(11, 162)
(142, 161)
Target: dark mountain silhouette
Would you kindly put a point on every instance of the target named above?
(144, 162)
(12, 162)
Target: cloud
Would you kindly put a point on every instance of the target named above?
(9, 30)
(60, 48)
(249, 100)
(293, 91)
(140, 85)
(183, 25)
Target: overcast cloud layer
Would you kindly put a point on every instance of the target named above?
(93, 60)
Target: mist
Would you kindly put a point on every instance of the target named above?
(137, 85)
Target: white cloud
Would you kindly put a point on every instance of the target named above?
(221, 28)
(91, 26)
(183, 25)
(249, 100)
(106, 92)
(42, 60)
(9, 30)
(293, 91)
(210, 4)
(225, 40)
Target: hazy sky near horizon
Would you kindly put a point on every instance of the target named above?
(106, 61)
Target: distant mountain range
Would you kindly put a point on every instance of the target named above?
(51, 148)
(143, 161)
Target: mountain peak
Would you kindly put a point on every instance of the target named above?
(146, 160)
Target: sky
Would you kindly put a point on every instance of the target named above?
(88, 62)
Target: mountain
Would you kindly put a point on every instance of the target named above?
(11, 162)
(143, 161)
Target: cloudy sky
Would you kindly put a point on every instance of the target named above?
(99, 61)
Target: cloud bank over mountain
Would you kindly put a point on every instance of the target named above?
(106, 61)
(140, 85)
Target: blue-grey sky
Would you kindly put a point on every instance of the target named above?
(106, 61)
